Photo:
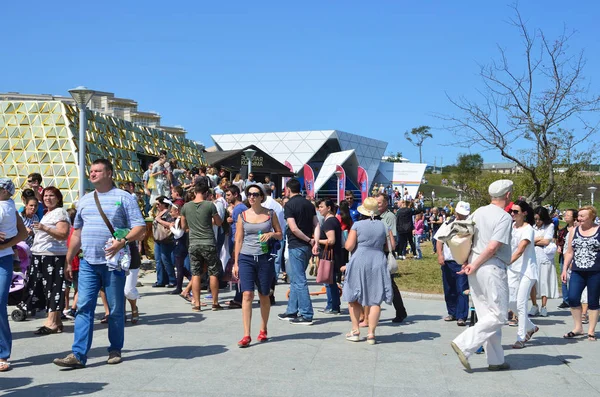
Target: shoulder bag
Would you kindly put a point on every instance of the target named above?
(161, 234)
(392, 263)
(125, 260)
(325, 269)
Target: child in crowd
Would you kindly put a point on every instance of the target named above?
(71, 312)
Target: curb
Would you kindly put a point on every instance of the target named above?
(419, 295)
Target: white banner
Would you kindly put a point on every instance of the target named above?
(404, 175)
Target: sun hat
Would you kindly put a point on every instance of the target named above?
(260, 187)
(463, 208)
(369, 207)
(8, 185)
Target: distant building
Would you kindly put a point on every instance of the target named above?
(503, 168)
(107, 103)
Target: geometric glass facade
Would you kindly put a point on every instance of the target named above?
(42, 136)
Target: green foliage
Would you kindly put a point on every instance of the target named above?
(468, 167)
(417, 136)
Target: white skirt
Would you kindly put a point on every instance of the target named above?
(547, 284)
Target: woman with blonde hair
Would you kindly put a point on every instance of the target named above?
(239, 182)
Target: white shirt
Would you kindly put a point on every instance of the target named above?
(491, 223)
(546, 232)
(8, 222)
(271, 204)
(44, 243)
(526, 264)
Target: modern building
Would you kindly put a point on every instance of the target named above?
(323, 150)
(107, 103)
(41, 135)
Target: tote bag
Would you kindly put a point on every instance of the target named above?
(325, 270)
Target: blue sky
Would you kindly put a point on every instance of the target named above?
(372, 68)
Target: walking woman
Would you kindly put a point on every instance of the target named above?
(49, 252)
(583, 257)
(331, 236)
(545, 249)
(523, 271)
(253, 262)
(164, 244)
(368, 281)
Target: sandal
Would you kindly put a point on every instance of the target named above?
(353, 336)
(104, 320)
(585, 319)
(135, 315)
(4, 366)
(591, 338)
(234, 305)
(186, 298)
(196, 308)
(571, 335)
(46, 331)
(519, 345)
(449, 318)
(513, 323)
(371, 339)
(530, 333)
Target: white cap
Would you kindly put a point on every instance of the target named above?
(463, 208)
(500, 187)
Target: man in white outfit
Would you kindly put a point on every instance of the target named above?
(488, 283)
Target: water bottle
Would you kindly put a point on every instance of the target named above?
(120, 233)
(264, 246)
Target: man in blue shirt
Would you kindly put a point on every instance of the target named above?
(91, 235)
(353, 206)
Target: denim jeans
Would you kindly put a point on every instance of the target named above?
(279, 259)
(579, 280)
(417, 239)
(333, 296)
(299, 301)
(565, 286)
(6, 273)
(457, 303)
(91, 278)
(165, 270)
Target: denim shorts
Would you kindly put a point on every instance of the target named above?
(256, 270)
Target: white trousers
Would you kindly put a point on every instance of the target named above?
(131, 291)
(519, 287)
(489, 292)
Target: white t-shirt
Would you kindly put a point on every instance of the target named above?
(526, 264)
(8, 223)
(546, 232)
(44, 243)
(491, 223)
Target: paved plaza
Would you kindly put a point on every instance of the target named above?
(175, 352)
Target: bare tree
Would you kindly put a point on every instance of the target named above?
(417, 136)
(520, 113)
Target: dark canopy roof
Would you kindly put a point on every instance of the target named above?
(235, 160)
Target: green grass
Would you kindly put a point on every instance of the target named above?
(422, 275)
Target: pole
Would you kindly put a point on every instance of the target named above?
(82, 147)
(338, 190)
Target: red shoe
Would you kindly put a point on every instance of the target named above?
(245, 341)
(262, 336)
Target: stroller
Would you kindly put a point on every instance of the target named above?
(18, 285)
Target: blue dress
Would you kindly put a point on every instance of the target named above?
(367, 279)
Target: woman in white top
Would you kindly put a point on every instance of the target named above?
(523, 270)
(46, 284)
(545, 249)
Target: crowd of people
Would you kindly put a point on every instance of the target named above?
(210, 230)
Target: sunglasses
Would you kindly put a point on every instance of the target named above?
(515, 212)
(254, 194)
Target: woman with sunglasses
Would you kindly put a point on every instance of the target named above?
(523, 271)
(253, 263)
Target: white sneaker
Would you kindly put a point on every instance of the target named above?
(534, 311)
(402, 257)
(544, 312)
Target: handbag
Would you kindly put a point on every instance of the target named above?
(392, 263)
(161, 234)
(124, 257)
(151, 183)
(325, 269)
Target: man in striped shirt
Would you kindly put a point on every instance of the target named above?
(91, 235)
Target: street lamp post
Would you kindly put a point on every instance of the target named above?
(592, 189)
(579, 197)
(249, 153)
(338, 174)
(82, 97)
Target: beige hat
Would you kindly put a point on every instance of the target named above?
(463, 208)
(500, 187)
(369, 207)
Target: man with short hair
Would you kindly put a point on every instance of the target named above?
(389, 219)
(34, 182)
(353, 206)
(302, 220)
(457, 303)
(250, 180)
(486, 270)
(199, 216)
(404, 228)
(177, 196)
(93, 237)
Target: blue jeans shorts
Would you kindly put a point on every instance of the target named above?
(256, 270)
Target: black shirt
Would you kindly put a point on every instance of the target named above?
(404, 220)
(303, 212)
(332, 223)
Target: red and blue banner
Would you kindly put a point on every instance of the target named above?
(363, 183)
(309, 181)
(287, 178)
(341, 183)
